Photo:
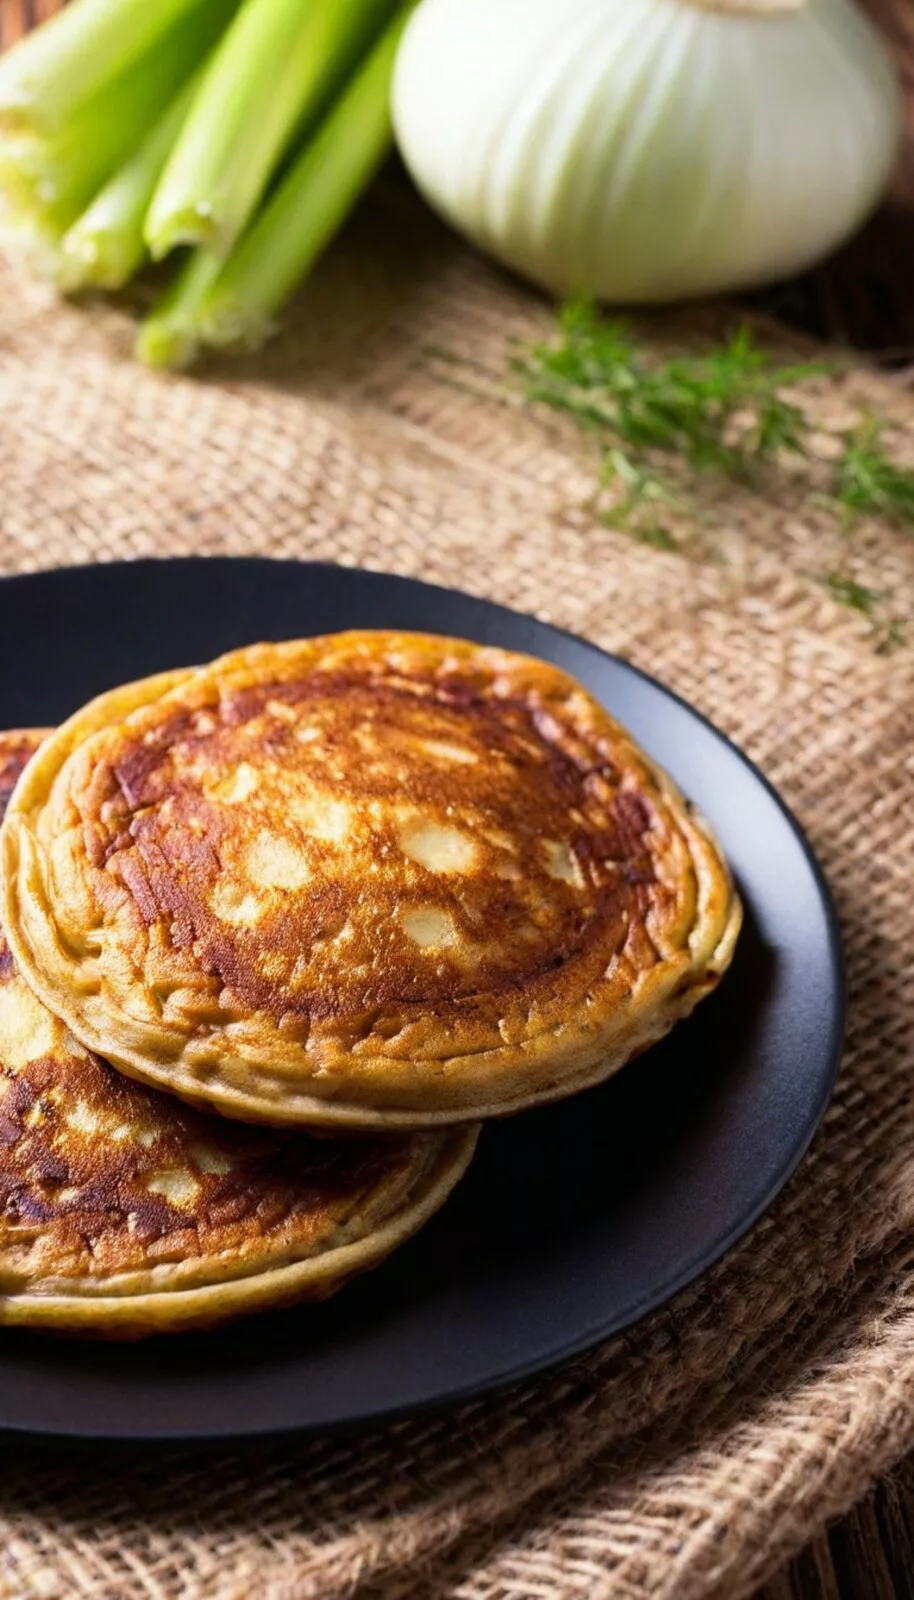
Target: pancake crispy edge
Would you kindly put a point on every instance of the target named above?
(366, 880)
(124, 1212)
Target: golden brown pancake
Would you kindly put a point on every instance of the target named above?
(125, 1212)
(369, 880)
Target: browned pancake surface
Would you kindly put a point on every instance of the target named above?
(107, 1186)
(369, 877)
(345, 841)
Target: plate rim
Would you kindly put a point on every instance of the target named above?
(701, 1260)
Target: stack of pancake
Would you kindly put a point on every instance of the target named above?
(283, 930)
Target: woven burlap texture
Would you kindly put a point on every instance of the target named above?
(692, 1456)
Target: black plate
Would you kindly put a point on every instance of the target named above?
(573, 1221)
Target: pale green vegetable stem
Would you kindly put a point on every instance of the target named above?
(55, 178)
(33, 240)
(57, 69)
(170, 335)
(308, 208)
(277, 66)
(105, 246)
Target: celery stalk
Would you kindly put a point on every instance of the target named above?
(308, 208)
(33, 240)
(58, 176)
(54, 71)
(105, 247)
(169, 337)
(276, 67)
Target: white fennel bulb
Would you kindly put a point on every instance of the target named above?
(648, 150)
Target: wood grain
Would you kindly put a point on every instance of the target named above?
(869, 1555)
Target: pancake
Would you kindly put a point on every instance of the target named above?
(123, 1212)
(366, 880)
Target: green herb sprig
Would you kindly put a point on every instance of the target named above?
(661, 424)
(723, 411)
(868, 483)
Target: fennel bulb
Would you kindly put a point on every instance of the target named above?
(648, 150)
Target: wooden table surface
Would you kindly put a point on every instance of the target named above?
(869, 1555)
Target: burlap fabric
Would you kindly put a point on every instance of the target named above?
(693, 1455)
